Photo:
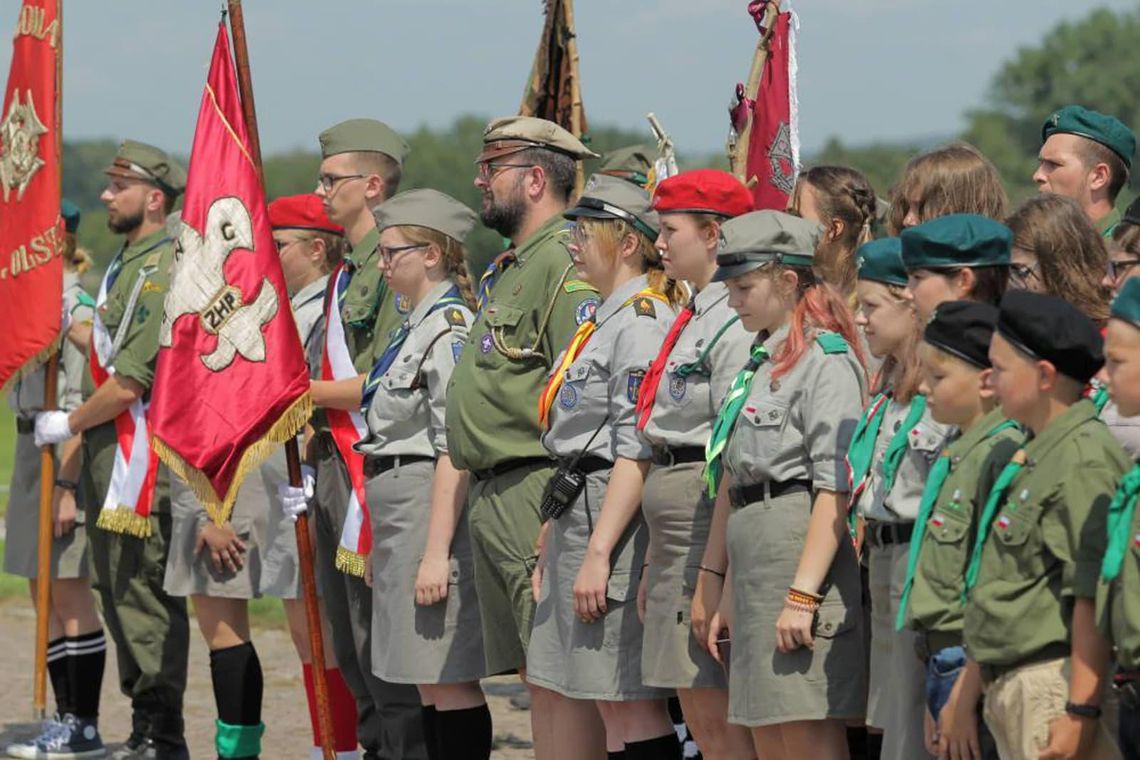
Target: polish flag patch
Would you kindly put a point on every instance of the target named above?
(937, 520)
(1003, 522)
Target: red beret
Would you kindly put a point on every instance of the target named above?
(707, 191)
(301, 212)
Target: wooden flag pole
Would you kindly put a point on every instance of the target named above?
(292, 452)
(47, 453)
(738, 154)
(575, 90)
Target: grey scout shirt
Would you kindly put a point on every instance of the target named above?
(688, 401)
(308, 312)
(406, 416)
(26, 397)
(799, 427)
(606, 377)
(923, 445)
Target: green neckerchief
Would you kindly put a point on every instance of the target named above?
(861, 452)
(985, 522)
(1120, 523)
(934, 483)
(1099, 396)
(726, 418)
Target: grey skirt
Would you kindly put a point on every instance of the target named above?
(22, 522)
(189, 573)
(766, 687)
(599, 660)
(442, 643)
(678, 513)
(280, 573)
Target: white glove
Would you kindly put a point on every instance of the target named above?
(295, 499)
(51, 428)
(65, 318)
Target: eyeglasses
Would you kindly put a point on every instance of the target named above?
(1022, 273)
(488, 170)
(1120, 267)
(387, 253)
(329, 181)
(578, 236)
(283, 244)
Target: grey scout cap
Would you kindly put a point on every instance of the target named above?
(426, 208)
(749, 241)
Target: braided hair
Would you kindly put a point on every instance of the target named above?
(841, 194)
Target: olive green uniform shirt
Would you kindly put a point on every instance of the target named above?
(1118, 604)
(976, 459)
(492, 399)
(1047, 541)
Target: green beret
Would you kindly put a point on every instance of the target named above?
(1107, 130)
(510, 134)
(426, 208)
(136, 160)
(633, 163)
(881, 261)
(363, 136)
(1126, 305)
(956, 241)
(607, 197)
(70, 213)
(751, 240)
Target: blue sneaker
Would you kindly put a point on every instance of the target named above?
(66, 738)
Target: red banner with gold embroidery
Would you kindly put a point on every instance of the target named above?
(31, 230)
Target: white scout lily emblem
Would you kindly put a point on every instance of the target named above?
(198, 286)
(782, 160)
(20, 133)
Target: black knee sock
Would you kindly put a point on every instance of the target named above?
(619, 755)
(431, 731)
(464, 734)
(662, 748)
(57, 663)
(86, 656)
(236, 673)
(874, 745)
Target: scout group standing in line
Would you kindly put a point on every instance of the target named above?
(841, 496)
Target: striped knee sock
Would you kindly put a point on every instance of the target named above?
(86, 658)
(57, 663)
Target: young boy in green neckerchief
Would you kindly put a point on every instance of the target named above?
(956, 366)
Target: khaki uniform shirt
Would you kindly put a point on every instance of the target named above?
(926, 439)
(798, 428)
(1046, 544)
(492, 401)
(406, 415)
(975, 462)
(26, 398)
(687, 402)
(1118, 604)
(599, 388)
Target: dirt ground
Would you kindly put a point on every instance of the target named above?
(285, 712)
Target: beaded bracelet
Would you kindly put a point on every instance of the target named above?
(804, 598)
(800, 606)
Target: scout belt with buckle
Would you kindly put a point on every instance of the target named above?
(25, 425)
(374, 466)
(664, 456)
(882, 534)
(740, 496)
(502, 468)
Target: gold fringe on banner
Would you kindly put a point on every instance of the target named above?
(32, 364)
(350, 562)
(286, 427)
(124, 520)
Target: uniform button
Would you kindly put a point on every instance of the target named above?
(827, 627)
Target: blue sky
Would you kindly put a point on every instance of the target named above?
(869, 69)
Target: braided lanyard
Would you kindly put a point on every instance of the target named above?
(934, 482)
(727, 416)
(1120, 513)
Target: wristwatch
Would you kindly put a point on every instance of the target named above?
(1083, 711)
(67, 485)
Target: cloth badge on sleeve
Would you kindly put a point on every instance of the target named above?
(456, 349)
(644, 308)
(677, 385)
(454, 317)
(486, 344)
(568, 397)
(633, 387)
(586, 310)
(403, 305)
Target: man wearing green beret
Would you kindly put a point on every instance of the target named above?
(1086, 156)
(529, 307)
(128, 547)
(361, 165)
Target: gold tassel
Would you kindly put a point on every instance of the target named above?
(32, 365)
(124, 520)
(291, 422)
(349, 562)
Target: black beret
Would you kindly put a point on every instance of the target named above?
(1053, 330)
(963, 329)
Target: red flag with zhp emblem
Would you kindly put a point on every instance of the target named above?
(231, 384)
(31, 231)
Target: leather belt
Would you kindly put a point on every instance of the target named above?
(740, 496)
(667, 457)
(502, 468)
(880, 534)
(1054, 651)
(374, 466)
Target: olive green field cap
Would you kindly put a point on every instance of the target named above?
(363, 136)
(633, 163)
(606, 197)
(757, 238)
(137, 160)
(426, 208)
(511, 134)
(1107, 130)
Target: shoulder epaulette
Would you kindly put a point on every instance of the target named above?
(832, 343)
(153, 260)
(573, 286)
(643, 307)
(454, 316)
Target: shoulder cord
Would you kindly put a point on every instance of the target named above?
(527, 353)
(129, 311)
(685, 370)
